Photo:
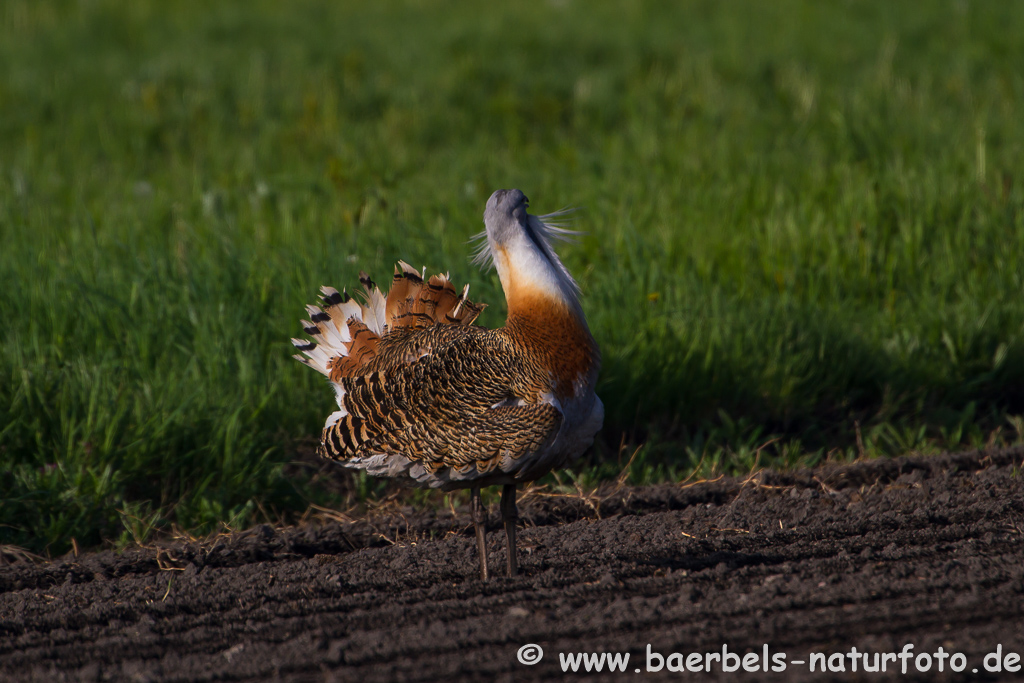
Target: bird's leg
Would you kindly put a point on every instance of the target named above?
(510, 515)
(476, 510)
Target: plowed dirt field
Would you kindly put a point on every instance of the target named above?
(926, 551)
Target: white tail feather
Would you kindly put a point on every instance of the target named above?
(350, 309)
(329, 332)
(317, 358)
(373, 312)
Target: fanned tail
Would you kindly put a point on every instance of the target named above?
(346, 334)
(416, 304)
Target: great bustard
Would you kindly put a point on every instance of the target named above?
(426, 396)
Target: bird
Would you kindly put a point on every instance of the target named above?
(427, 397)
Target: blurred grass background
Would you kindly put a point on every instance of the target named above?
(804, 230)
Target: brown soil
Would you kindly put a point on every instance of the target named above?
(921, 550)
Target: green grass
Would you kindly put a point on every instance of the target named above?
(804, 229)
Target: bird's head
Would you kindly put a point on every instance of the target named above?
(543, 299)
(519, 245)
(505, 216)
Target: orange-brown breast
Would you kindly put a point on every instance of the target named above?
(553, 331)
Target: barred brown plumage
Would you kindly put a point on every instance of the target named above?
(426, 396)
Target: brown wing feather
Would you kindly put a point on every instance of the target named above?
(361, 350)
